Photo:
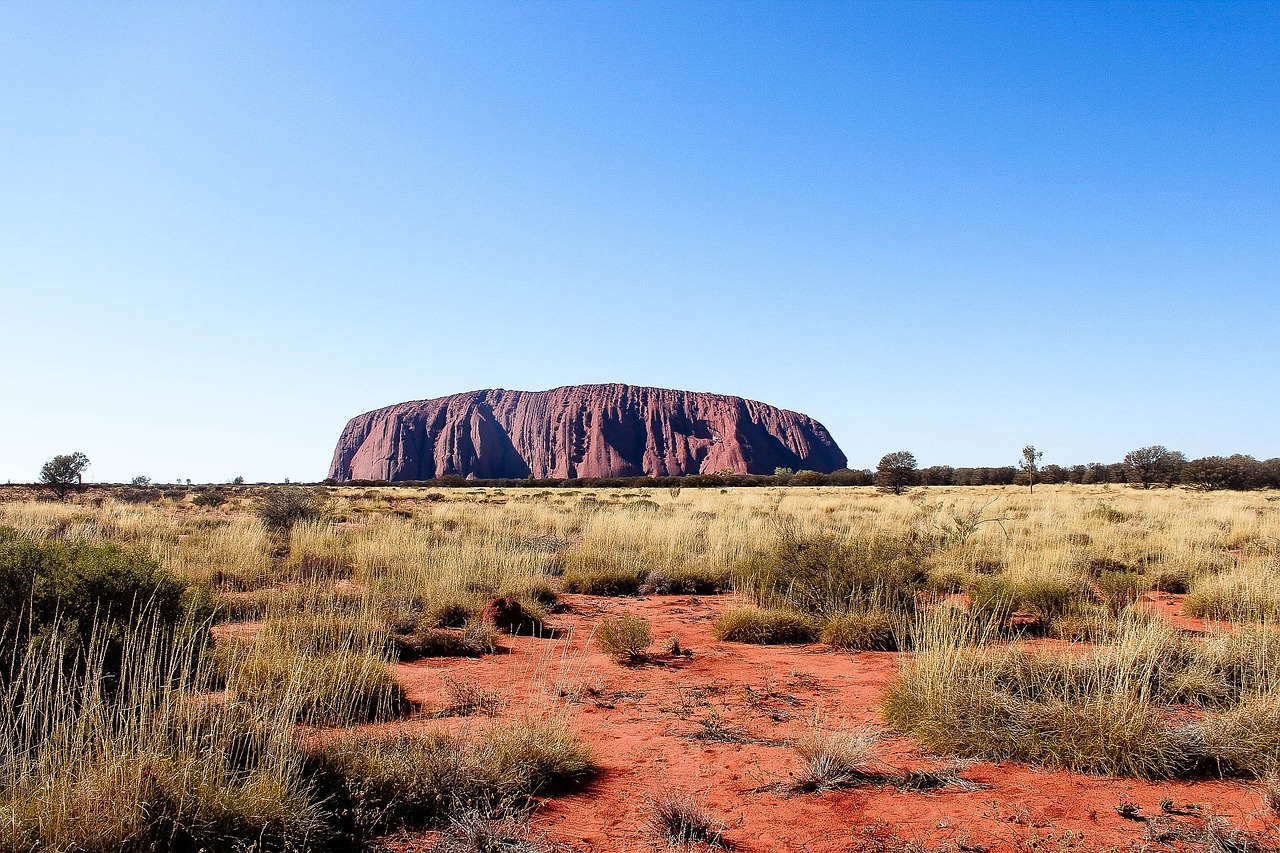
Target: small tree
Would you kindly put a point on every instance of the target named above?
(140, 480)
(896, 472)
(64, 471)
(1031, 464)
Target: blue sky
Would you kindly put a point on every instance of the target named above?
(950, 228)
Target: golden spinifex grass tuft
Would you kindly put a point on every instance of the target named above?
(1109, 710)
(419, 778)
(140, 761)
(765, 626)
(625, 638)
(679, 819)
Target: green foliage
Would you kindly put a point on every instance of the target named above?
(601, 574)
(870, 630)
(896, 472)
(415, 779)
(72, 590)
(64, 471)
(826, 576)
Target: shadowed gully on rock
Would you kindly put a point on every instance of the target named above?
(580, 431)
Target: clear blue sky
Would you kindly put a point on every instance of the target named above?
(950, 228)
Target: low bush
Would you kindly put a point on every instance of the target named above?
(160, 771)
(282, 507)
(764, 627)
(1104, 712)
(1250, 593)
(77, 591)
(871, 630)
(416, 779)
(825, 576)
(837, 759)
(1119, 590)
(474, 639)
(626, 638)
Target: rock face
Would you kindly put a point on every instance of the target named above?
(579, 431)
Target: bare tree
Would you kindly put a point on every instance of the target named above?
(1031, 464)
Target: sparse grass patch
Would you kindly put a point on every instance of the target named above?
(678, 819)
(838, 759)
(418, 778)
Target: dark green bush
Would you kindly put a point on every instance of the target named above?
(73, 590)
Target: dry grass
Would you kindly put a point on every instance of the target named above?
(401, 570)
(626, 638)
(765, 627)
(678, 819)
(1108, 710)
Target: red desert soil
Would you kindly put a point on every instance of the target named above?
(715, 725)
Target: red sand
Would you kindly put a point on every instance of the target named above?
(644, 724)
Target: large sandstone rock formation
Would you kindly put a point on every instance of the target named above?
(579, 431)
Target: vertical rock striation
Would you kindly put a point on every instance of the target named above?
(579, 431)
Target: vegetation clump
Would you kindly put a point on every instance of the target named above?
(625, 638)
(765, 626)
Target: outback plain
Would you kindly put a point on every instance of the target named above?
(758, 669)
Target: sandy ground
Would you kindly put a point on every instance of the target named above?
(715, 725)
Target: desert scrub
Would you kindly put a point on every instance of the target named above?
(764, 626)
(1249, 593)
(825, 576)
(626, 638)
(678, 819)
(331, 669)
(594, 574)
(838, 759)
(868, 630)
(1105, 711)
(415, 779)
(144, 765)
(282, 507)
(79, 591)
(474, 639)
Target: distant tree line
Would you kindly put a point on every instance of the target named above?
(1146, 467)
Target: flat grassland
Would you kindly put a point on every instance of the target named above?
(766, 669)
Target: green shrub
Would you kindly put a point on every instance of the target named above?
(75, 590)
(474, 639)
(601, 579)
(282, 507)
(331, 689)
(764, 627)
(1119, 590)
